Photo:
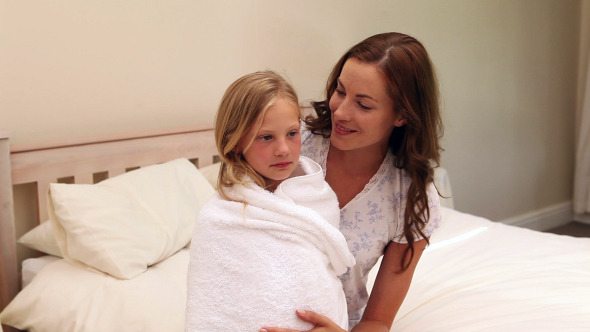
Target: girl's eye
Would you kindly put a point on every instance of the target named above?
(293, 133)
(266, 137)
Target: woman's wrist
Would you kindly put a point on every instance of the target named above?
(370, 326)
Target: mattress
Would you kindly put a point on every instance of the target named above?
(476, 275)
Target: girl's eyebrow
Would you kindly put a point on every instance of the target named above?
(360, 95)
(270, 130)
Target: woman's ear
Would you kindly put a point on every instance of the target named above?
(399, 121)
(399, 118)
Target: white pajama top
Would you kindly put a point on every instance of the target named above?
(371, 219)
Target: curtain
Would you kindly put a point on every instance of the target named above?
(582, 173)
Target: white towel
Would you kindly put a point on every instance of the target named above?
(254, 266)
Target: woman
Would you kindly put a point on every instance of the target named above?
(377, 137)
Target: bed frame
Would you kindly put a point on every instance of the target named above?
(84, 161)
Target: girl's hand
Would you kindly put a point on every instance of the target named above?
(321, 323)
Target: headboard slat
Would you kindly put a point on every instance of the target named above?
(42, 189)
(8, 260)
(115, 172)
(102, 156)
(84, 178)
(205, 161)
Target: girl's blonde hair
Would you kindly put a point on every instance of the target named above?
(244, 101)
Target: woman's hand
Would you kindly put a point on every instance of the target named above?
(321, 323)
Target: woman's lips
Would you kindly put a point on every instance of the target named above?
(343, 130)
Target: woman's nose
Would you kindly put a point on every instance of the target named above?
(342, 111)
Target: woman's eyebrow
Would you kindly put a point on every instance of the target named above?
(360, 95)
(366, 96)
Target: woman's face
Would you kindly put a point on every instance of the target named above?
(362, 111)
(276, 143)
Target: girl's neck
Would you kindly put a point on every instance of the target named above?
(272, 185)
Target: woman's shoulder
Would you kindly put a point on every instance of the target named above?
(313, 145)
(305, 132)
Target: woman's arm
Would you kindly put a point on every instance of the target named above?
(390, 289)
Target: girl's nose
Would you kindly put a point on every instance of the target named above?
(282, 148)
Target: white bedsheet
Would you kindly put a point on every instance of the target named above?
(480, 275)
(477, 275)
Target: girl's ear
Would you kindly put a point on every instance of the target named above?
(237, 149)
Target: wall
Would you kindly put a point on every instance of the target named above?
(507, 70)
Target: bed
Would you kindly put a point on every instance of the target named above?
(477, 275)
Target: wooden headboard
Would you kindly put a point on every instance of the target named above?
(84, 161)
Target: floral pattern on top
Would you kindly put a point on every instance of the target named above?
(372, 219)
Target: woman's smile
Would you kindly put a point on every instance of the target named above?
(341, 130)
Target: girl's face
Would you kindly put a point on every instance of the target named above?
(362, 111)
(276, 143)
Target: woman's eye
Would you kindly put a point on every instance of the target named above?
(340, 92)
(363, 106)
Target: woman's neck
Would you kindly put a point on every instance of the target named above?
(349, 171)
(357, 162)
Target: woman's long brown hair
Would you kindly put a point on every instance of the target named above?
(413, 88)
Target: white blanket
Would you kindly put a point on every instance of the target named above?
(254, 265)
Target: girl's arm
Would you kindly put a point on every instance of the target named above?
(390, 289)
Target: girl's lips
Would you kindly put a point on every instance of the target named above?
(342, 130)
(282, 165)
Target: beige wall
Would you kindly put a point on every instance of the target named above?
(507, 70)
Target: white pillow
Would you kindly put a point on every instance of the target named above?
(32, 266)
(66, 297)
(41, 238)
(124, 224)
(211, 173)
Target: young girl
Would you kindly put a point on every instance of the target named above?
(268, 243)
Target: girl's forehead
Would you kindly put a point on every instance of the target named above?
(282, 109)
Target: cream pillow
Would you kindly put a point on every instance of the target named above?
(211, 173)
(68, 297)
(123, 225)
(41, 238)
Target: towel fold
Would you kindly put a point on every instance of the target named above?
(254, 265)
